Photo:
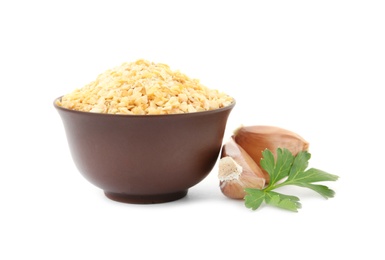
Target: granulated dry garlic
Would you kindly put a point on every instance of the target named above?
(144, 88)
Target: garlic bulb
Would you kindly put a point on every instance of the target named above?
(237, 171)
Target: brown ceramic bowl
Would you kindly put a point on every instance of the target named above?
(145, 159)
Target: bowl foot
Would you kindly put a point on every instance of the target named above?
(145, 199)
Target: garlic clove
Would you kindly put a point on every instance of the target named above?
(237, 171)
(255, 139)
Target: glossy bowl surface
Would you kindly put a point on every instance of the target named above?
(144, 159)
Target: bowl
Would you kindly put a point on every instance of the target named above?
(144, 158)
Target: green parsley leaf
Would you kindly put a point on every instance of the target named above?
(287, 170)
(312, 175)
(324, 191)
(254, 198)
(280, 169)
(282, 201)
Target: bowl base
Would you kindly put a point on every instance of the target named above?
(145, 199)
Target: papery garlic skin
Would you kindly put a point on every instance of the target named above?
(255, 139)
(229, 169)
(238, 171)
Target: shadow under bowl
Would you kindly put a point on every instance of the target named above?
(144, 158)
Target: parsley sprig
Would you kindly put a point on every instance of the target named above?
(287, 169)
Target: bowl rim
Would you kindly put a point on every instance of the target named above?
(213, 111)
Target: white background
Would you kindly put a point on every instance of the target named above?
(314, 67)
